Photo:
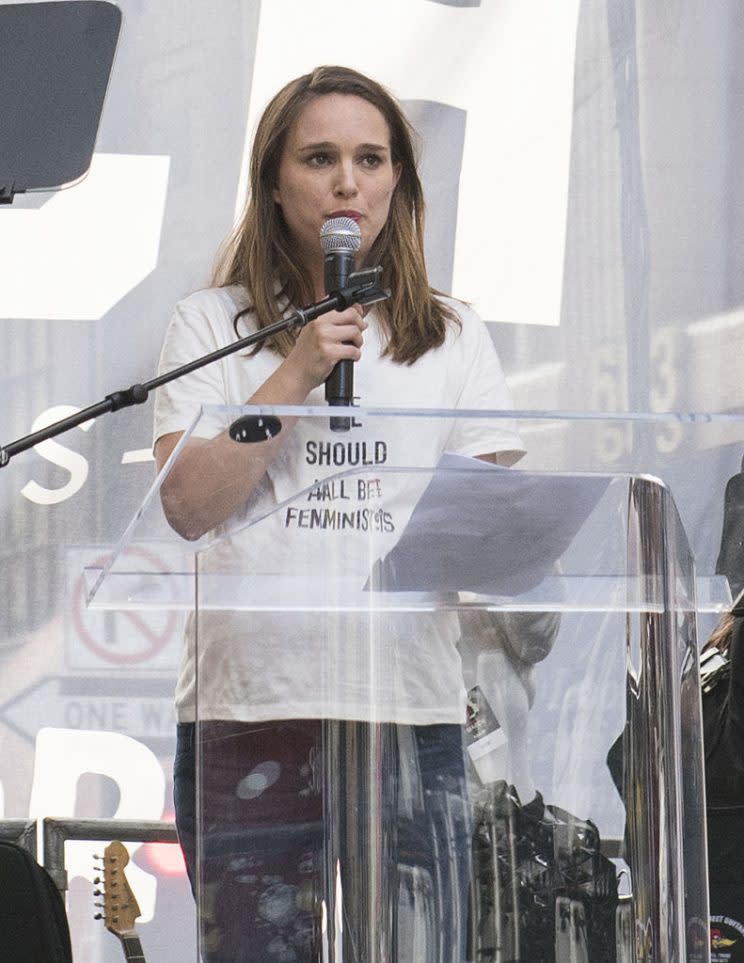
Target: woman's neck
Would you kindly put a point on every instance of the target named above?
(317, 279)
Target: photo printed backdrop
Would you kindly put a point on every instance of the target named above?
(581, 162)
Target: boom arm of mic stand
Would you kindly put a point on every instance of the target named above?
(363, 288)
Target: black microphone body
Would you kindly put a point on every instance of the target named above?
(339, 386)
(340, 239)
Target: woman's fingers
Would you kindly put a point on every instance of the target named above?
(338, 335)
(332, 330)
(350, 318)
(335, 336)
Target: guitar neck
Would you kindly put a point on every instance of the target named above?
(132, 947)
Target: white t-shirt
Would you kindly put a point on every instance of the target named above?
(329, 506)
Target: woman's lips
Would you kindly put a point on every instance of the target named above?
(354, 215)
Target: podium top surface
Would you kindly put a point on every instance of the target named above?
(412, 535)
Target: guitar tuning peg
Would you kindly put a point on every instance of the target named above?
(97, 892)
(99, 904)
(96, 880)
(98, 916)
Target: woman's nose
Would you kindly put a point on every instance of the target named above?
(345, 185)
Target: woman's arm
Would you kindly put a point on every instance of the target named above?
(212, 478)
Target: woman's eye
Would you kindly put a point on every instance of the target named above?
(371, 160)
(318, 160)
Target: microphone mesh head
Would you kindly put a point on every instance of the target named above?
(340, 234)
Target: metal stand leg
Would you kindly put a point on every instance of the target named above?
(360, 867)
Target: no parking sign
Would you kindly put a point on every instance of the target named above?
(148, 640)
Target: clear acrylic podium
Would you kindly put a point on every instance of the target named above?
(482, 691)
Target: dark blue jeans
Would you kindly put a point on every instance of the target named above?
(262, 838)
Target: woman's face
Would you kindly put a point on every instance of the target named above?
(336, 163)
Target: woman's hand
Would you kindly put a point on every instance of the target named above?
(335, 336)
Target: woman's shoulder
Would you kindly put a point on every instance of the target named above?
(465, 322)
(226, 300)
(463, 311)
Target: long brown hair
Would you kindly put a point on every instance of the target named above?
(260, 251)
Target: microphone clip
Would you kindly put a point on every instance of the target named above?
(362, 287)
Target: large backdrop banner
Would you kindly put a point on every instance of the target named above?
(580, 161)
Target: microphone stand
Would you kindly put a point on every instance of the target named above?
(363, 287)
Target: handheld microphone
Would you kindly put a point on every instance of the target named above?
(340, 239)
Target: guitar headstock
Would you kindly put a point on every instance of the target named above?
(120, 909)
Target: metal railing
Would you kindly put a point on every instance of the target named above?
(22, 832)
(56, 832)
